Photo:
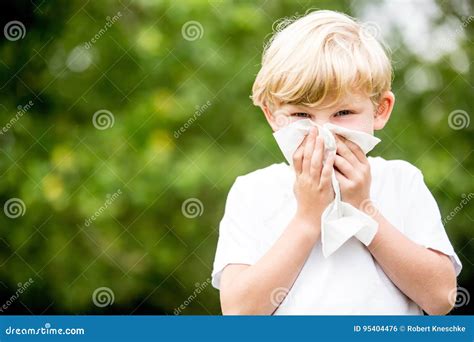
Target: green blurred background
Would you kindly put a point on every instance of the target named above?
(137, 113)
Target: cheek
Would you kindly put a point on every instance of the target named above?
(286, 120)
(283, 120)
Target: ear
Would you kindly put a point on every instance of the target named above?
(270, 117)
(383, 110)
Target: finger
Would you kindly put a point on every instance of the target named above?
(327, 170)
(346, 168)
(298, 157)
(308, 150)
(343, 181)
(317, 159)
(316, 131)
(356, 150)
(344, 151)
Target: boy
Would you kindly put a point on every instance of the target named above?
(269, 260)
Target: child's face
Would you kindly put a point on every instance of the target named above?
(355, 112)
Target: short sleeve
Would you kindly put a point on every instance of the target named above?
(237, 243)
(422, 222)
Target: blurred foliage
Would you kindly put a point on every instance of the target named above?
(154, 81)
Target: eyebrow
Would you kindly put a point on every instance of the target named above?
(299, 107)
(338, 107)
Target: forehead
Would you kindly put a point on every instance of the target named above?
(348, 100)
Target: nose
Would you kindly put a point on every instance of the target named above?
(319, 121)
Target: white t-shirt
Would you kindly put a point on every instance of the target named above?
(261, 204)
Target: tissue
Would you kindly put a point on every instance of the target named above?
(340, 220)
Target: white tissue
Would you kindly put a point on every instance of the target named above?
(340, 221)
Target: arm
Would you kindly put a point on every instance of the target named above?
(260, 288)
(424, 275)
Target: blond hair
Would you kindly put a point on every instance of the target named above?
(318, 58)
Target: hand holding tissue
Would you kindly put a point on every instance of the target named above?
(340, 220)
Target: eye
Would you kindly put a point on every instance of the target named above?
(344, 112)
(301, 115)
